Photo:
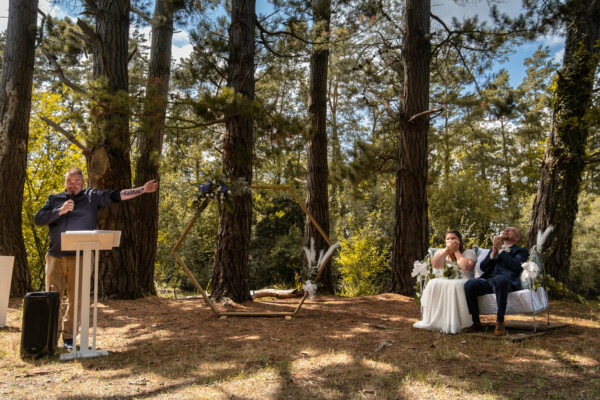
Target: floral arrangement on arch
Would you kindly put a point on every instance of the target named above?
(223, 192)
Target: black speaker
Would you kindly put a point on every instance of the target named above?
(39, 334)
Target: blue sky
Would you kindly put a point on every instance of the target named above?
(446, 9)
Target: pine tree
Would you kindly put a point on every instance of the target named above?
(564, 160)
(231, 270)
(15, 107)
(317, 188)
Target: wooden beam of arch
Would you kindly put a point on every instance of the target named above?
(208, 301)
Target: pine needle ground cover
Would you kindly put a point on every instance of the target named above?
(336, 348)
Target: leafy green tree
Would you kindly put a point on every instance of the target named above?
(534, 118)
(48, 157)
(585, 265)
(276, 254)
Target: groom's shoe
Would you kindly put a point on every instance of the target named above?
(500, 329)
(477, 326)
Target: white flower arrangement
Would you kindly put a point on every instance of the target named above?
(530, 270)
(531, 267)
(419, 270)
(314, 264)
(310, 288)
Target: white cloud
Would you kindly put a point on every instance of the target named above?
(447, 9)
(3, 15)
(559, 55)
(182, 47)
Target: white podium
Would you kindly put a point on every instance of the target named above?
(6, 267)
(86, 242)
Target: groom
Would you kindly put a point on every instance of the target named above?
(501, 275)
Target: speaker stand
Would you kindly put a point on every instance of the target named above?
(86, 242)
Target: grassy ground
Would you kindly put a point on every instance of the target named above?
(336, 348)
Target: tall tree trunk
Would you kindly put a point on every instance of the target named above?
(151, 140)
(410, 231)
(15, 107)
(564, 161)
(109, 165)
(231, 272)
(317, 198)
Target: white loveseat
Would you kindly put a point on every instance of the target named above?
(525, 301)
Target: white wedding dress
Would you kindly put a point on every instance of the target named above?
(444, 305)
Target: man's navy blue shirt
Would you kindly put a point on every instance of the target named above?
(84, 216)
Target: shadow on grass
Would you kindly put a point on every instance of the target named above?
(332, 349)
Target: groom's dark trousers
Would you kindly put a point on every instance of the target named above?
(501, 275)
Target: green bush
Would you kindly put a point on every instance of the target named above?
(364, 259)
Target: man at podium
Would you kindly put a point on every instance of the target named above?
(75, 209)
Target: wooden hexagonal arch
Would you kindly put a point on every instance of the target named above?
(248, 314)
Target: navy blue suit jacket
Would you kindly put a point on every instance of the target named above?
(507, 264)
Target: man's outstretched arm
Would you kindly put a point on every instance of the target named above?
(149, 187)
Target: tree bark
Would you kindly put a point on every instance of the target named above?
(317, 196)
(151, 140)
(109, 165)
(410, 231)
(15, 108)
(231, 272)
(564, 160)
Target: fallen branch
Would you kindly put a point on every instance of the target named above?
(278, 294)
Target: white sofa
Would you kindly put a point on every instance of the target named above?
(525, 301)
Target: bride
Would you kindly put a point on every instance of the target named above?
(443, 301)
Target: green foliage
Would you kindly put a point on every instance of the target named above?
(584, 275)
(49, 157)
(468, 205)
(277, 240)
(364, 258)
(558, 290)
(177, 206)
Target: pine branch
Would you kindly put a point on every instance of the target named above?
(70, 137)
(40, 36)
(91, 7)
(60, 73)
(437, 110)
(292, 34)
(132, 54)
(142, 14)
(94, 41)
(593, 158)
(194, 124)
(85, 28)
